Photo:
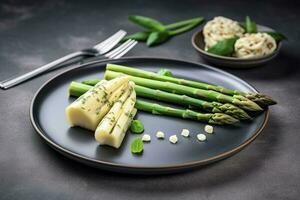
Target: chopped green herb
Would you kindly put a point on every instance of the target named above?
(165, 72)
(136, 126)
(137, 145)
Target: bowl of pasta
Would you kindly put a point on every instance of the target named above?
(225, 42)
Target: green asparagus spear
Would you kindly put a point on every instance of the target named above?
(214, 107)
(208, 95)
(260, 99)
(212, 118)
(77, 89)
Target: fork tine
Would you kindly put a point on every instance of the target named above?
(124, 50)
(111, 38)
(124, 45)
(107, 47)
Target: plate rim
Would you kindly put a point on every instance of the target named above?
(111, 165)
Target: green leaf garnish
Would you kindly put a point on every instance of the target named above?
(242, 24)
(136, 126)
(187, 27)
(157, 38)
(147, 22)
(277, 36)
(137, 146)
(157, 32)
(183, 23)
(165, 72)
(138, 36)
(224, 47)
(250, 26)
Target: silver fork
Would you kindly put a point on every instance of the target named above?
(99, 49)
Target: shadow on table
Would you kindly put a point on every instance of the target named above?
(244, 164)
(284, 66)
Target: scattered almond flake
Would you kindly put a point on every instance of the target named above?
(201, 137)
(208, 129)
(185, 132)
(146, 138)
(160, 135)
(173, 139)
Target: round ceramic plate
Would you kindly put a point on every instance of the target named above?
(160, 156)
(233, 62)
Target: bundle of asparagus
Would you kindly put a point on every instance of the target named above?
(212, 118)
(77, 89)
(225, 106)
(209, 95)
(109, 102)
(261, 99)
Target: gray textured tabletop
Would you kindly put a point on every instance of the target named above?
(32, 34)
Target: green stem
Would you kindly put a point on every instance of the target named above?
(183, 23)
(185, 28)
(78, 89)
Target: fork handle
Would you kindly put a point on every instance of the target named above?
(19, 79)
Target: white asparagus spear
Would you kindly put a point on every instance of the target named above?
(116, 136)
(110, 119)
(112, 99)
(85, 111)
(107, 124)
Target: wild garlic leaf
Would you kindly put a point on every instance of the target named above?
(224, 47)
(147, 22)
(277, 36)
(250, 26)
(137, 145)
(138, 36)
(157, 38)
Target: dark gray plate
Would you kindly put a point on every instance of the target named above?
(160, 156)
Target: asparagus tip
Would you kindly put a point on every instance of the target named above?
(261, 99)
(234, 111)
(221, 118)
(246, 104)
